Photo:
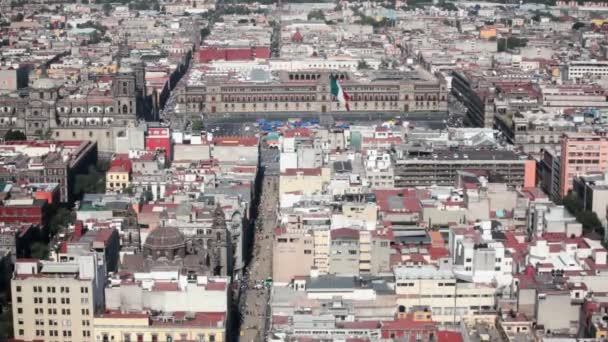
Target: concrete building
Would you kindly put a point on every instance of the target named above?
(581, 154)
(164, 305)
(167, 291)
(293, 255)
(47, 162)
(592, 193)
(304, 180)
(379, 171)
(450, 301)
(57, 300)
(479, 260)
(441, 167)
(345, 252)
(177, 326)
(587, 69)
(118, 176)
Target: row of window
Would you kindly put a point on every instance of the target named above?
(52, 289)
(155, 338)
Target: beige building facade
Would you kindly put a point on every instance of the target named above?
(141, 327)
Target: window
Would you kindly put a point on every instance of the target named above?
(18, 288)
(73, 134)
(211, 337)
(84, 290)
(19, 300)
(127, 338)
(20, 331)
(19, 310)
(154, 338)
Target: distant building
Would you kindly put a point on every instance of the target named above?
(440, 167)
(581, 154)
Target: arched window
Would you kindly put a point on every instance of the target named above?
(125, 108)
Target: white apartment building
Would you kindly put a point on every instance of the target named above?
(56, 301)
(449, 300)
(586, 69)
(480, 260)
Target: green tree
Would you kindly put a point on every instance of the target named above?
(589, 219)
(17, 17)
(94, 181)
(39, 250)
(362, 65)
(6, 323)
(503, 44)
(578, 25)
(316, 15)
(62, 217)
(204, 33)
(107, 8)
(197, 125)
(14, 135)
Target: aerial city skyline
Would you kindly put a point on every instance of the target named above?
(292, 170)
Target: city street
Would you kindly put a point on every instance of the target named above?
(253, 305)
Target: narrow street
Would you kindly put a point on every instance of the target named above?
(253, 305)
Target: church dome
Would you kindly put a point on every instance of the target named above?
(165, 238)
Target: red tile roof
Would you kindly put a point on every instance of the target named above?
(449, 336)
(302, 171)
(344, 233)
(235, 141)
(165, 286)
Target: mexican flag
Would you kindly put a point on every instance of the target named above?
(339, 93)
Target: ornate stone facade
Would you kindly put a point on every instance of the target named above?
(309, 92)
(49, 109)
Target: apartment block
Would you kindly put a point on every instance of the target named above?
(581, 153)
(56, 301)
(450, 301)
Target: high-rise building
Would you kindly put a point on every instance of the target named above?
(57, 300)
(582, 153)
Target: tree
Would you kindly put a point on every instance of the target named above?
(362, 65)
(14, 135)
(197, 126)
(39, 250)
(18, 17)
(589, 219)
(60, 220)
(204, 33)
(107, 8)
(503, 44)
(316, 15)
(92, 182)
(578, 25)
(6, 323)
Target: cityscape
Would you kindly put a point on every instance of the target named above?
(292, 170)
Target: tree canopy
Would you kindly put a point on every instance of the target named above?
(14, 135)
